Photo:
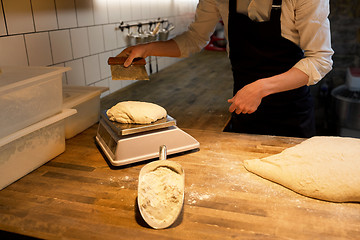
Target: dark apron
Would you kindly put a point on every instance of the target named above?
(257, 50)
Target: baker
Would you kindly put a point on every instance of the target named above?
(276, 49)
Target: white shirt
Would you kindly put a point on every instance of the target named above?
(304, 22)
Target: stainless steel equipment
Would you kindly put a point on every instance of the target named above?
(347, 109)
(347, 104)
(128, 143)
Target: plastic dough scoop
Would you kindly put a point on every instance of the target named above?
(160, 203)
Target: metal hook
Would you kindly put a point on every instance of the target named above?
(140, 28)
(151, 26)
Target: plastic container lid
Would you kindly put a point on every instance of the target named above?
(25, 131)
(75, 95)
(20, 76)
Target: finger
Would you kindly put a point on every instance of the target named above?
(231, 100)
(232, 108)
(128, 61)
(237, 111)
(251, 111)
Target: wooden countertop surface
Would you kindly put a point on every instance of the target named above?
(78, 195)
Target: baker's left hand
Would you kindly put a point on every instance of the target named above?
(247, 99)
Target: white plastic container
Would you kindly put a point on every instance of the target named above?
(28, 95)
(86, 101)
(31, 147)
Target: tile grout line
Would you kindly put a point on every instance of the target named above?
(3, 12)
(56, 13)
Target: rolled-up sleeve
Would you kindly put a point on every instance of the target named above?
(199, 31)
(313, 26)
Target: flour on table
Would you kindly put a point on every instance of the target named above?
(136, 112)
(325, 168)
(161, 194)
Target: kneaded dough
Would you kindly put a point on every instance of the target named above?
(136, 112)
(326, 168)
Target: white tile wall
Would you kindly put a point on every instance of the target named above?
(96, 39)
(66, 13)
(115, 84)
(121, 37)
(110, 37)
(18, 16)
(136, 9)
(84, 12)
(125, 11)
(103, 83)
(81, 34)
(76, 76)
(145, 10)
(114, 11)
(92, 69)
(100, 12)
(38, 49)
(80, 42)
(105, 71)
(44, 15)
(13, 51)
(154, 9)
(61, 46)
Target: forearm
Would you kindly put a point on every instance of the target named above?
(163, 49)
(248, 99)
(293, 78)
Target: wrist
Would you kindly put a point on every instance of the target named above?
(147, 49)
(264, 87)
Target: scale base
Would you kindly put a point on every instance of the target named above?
(123, 150)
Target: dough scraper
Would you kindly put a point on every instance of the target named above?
(136, 71)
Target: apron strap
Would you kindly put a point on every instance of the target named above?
(276, 4)
(276, 9)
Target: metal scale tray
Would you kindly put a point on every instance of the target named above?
(128, 143)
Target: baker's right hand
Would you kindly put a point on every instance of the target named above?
(137, 51)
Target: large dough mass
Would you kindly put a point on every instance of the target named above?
(136, 112)
(326, 168)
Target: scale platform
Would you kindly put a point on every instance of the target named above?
(129, 143)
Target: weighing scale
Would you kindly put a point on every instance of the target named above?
(128, 143)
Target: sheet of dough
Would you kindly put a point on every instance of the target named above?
(136, 112)
(326, 168)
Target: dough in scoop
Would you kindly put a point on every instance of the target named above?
(326, 168)
(160, 194)
(136, 112)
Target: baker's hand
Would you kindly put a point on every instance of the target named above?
(137, 51)
(247, 99)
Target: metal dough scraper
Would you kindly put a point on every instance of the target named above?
(136, 71)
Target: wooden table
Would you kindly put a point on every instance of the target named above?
(78, 195)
